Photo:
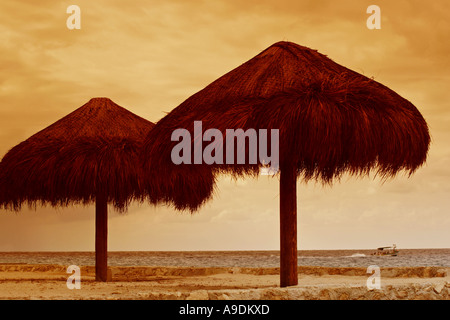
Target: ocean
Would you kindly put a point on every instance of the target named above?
(251, 259)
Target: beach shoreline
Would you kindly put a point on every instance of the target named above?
(49, 282)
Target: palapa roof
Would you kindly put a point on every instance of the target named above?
(331, 120)
(93, 149)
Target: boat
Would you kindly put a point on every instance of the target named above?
(386, 251)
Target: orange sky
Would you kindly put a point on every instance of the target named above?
(149, 56)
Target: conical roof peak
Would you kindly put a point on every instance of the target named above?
(286, 45)
(99, 99)
(282, 67)
(101, 102)
(99, 117)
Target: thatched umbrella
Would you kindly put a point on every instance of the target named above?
(90, 155)
(331, 120)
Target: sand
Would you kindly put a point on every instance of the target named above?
(49, 282)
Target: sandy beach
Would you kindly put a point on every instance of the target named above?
(49, 282)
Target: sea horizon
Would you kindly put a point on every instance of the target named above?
(418, 257)
(224, 250)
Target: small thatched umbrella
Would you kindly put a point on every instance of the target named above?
(331, 120)
(90, 155)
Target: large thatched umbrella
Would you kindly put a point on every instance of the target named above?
(331, 120)
(90, 155)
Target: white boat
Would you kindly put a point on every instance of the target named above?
(386, 251)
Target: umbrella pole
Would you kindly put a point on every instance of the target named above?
(101, 237)
(288, 226)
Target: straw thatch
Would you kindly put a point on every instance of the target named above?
(93, 149)
(331, 119)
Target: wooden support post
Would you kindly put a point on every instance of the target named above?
(288, 226)
(101, 238)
